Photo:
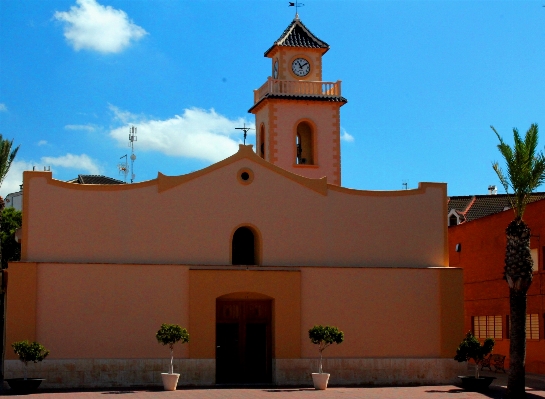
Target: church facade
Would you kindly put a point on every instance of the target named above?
(247, 254)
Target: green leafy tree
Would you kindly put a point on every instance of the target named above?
(7, 155)
(525, 172)
(12, 219)
(471, 348)
(29, 352)
(324, 336)
(170, 334)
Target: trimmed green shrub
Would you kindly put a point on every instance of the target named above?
(29, 352)
(471, 348)
(170, 334)
(323, 336)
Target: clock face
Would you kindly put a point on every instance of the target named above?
(275, 70)
(300, 67)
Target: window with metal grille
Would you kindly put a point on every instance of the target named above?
(532, 326)
(487, 327)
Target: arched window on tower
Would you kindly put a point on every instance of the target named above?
(304, 144)
(243, 247)
(262, 142)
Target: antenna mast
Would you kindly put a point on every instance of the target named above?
(132, 139)
(123, 167)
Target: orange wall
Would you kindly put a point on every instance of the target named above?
(486, 293)
(100, 310)
(113, 311)
(283, 286)
(323, 117)
(21, 305)
(169, 220)
(383, 312)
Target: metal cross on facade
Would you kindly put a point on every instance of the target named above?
(245, 129)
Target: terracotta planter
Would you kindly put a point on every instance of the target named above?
(476, 384)
(320, 380)
(20, 385)
(170, 381)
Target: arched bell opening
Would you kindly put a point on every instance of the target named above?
(262, 141)
(304, 143)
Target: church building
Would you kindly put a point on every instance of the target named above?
(248, 254)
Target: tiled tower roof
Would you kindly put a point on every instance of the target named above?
(298, 35)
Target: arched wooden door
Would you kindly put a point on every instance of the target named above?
(243, 341)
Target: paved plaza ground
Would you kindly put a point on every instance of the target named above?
(534, 382)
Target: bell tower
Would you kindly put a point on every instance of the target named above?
(297, 115)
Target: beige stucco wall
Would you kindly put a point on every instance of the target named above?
(109, 311)
(103, 311)
(190, 220)
(384, 313)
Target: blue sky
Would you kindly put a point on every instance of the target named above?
(424, 81)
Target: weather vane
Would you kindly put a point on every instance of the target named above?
(245, 129)
(296, 5)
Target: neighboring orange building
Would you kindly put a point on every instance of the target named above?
(478, 247)
(248, 254)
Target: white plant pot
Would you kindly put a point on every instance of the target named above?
(320, 380)
(170, 381)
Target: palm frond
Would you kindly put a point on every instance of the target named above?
(525, 167)
(7, 155)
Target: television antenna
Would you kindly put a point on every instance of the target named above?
(132, 139)
(123, 167)
(405, 184)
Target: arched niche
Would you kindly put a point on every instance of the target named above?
(245, 246)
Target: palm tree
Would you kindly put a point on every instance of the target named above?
(525, 172)
(7, 155)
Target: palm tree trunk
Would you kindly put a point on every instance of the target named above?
(517, 345)
(518, 273)
(2, 309)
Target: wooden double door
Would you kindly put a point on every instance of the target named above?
(243, 341)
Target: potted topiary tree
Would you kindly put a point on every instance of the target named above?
(323, 336)
(471, 348)
(169, 334)
(27, 352)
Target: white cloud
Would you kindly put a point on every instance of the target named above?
(14, 178)
(197, 133)
(91, 26)
(345, 136)
(70, 161)
(89, 128)
(41, 142)
(3, 107)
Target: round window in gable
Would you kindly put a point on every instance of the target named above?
(245, 176)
